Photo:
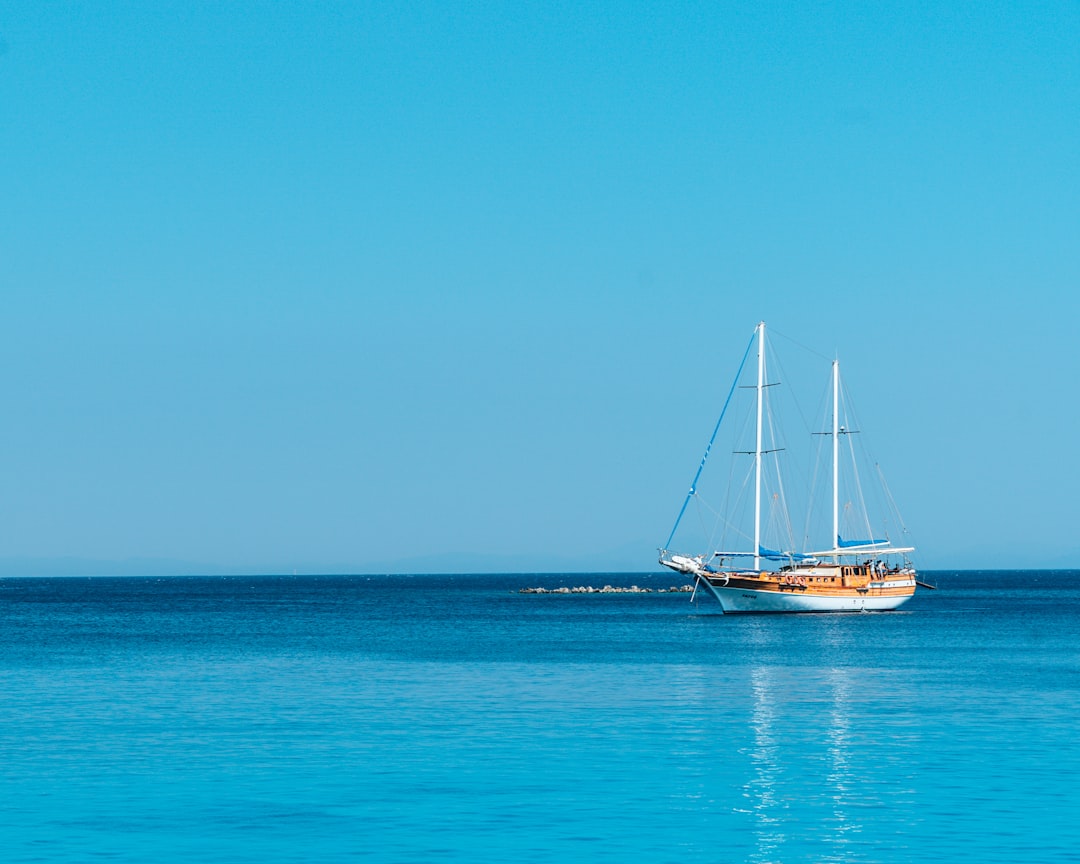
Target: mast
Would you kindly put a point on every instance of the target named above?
(836, 454)
(757, 449)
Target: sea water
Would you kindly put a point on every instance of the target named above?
(435, 718)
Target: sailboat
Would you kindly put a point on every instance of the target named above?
(844, 576)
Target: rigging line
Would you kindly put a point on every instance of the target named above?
(813, 494)
(693, 486)
(742, 502)
(815, 352)
(793, 466)
(729, 524)
(784, 515)
(859, 493)
(730, 493)
(819, 461)
(854, 466)
(785, 512)
(784, 518)
(892, 502)
(791, 395)
(719, 527)
(701, 505)
(866, 455)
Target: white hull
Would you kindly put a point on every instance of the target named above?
(749, 600)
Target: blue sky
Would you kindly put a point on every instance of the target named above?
(354, 287)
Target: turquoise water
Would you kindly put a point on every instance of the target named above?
(452, 719)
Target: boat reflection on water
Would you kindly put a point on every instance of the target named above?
(838, 781)
(793, 728)
(765, 758)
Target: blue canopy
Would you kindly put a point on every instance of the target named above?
(774, 555)
(841, 543)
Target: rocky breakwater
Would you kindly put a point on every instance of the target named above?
(609, 589)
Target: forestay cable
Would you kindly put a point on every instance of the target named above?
(693, 485)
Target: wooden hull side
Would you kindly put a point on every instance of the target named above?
(738, 594)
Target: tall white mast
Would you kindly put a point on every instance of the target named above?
(757, 449)
(836, 454)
